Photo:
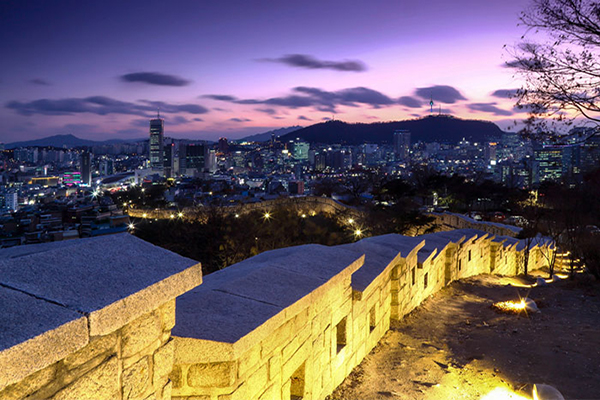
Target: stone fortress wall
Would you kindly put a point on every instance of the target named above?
(93, 318)
(90, 318)
(293, 323)
(309, 205)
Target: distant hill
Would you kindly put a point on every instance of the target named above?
(438, 128)
(266, 136)
(68, 141)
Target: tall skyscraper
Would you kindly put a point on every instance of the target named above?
(402, 143)
(157, 131)
(86, 168)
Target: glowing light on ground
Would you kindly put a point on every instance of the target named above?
(501, 393)
(358, 233)
(511, 306)
(351, 221)
(267, 215)
(180, 215)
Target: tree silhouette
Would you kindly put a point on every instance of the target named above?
(562, 70)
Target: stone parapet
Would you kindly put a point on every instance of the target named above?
(293, 323)
(90, 319)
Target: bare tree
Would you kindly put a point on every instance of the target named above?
(561, 71)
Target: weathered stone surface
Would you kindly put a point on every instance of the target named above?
(163, 362)
(167, 390)
(167, 315)
(176, 376)
(136, 379)
(100, 383)
(212, 374)
(34, 334)
(30, 384)
(218, 316)
(101, 345)
(140, 333)
(95, 275)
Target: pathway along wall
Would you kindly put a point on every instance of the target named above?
(293, 323)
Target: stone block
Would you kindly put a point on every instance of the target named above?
(256, 382)
(98, 346)
(177, 376)
(167, 315)
(136, 379)
(221, 374)
(163, 362)
(249, 361)
(166, 391)
(29, 385)
(140, 333)
(274, 366)
(272, 393)
(100, 383)
(290, 365)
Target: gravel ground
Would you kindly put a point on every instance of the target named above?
(456, 346)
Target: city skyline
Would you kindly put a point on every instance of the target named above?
(235, 69)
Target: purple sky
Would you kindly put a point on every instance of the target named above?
(99, 69)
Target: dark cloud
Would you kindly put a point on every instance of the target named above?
(321, 100)
(410, 102)
(310, 62)
(99, 105)
(197, 119)
(303, 118)
(176, 108)
(270, 111)
(489, 108)
(441, 93)
(220, 97)
(505, 93)
(221, 109)
(155, 78)
(240, 119)
(177, 120)
(39, 81)
(142, 122)
(276, 117)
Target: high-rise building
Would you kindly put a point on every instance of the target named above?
(157, 131)
(169, 164)
(86, 168)
(402, 143)
(223, 145)
(193, 158)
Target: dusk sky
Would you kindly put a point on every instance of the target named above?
(100, 69)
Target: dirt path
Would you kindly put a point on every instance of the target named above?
(455, 346)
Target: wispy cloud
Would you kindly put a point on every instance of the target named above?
(310, 62)
(155, 78)
(319, 99)
(441, 93)
(39, 81)
(489, 108)
(100, 105)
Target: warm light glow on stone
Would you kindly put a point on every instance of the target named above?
(501, 393)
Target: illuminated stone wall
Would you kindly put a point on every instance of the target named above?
(306, 205)
(449, 221)
(93, 318)
(293, 323)
(90, 319)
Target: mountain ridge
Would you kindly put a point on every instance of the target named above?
(437, 128)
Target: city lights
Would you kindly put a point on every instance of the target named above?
(358, 233)
(267, 215)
